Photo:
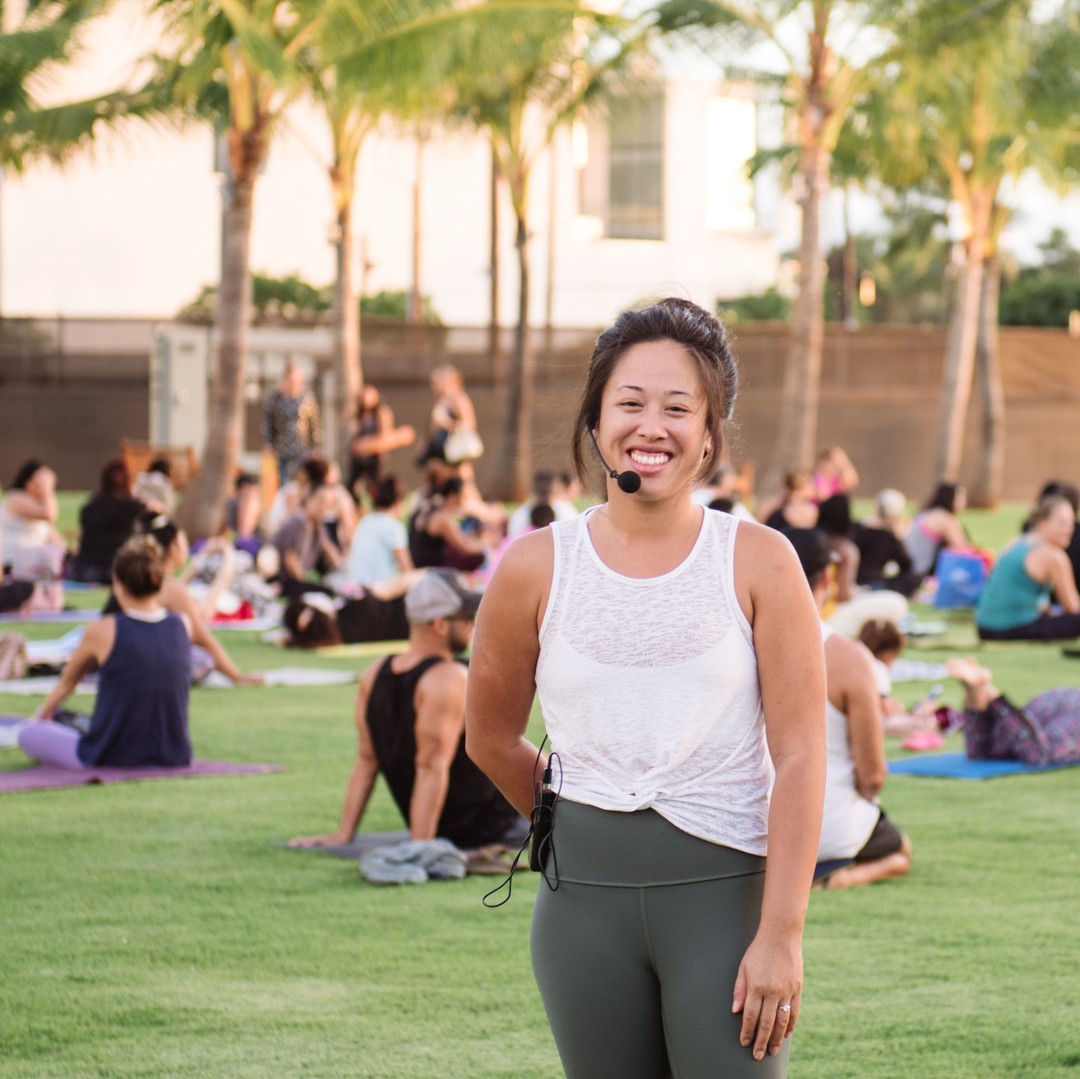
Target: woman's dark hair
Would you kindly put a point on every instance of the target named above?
(26, 470)
(139, 566)
(115, 478)
(795, 479)
(309, 627)
(1063, 490)
(1047, 506)
(943, 498)
(881, 637)
(453, 486)
(159, 526)
(162, 466)
(385, 492)
(705, 340)
(541, 515)
(315, 469)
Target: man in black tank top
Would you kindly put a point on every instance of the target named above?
(410, 720)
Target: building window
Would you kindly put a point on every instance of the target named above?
(635, 209)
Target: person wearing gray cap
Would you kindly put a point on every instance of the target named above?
(410, 721)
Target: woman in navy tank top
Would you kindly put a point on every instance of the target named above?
(143, 655)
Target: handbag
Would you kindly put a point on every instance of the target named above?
(463, 445)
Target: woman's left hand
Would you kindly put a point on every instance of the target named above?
(768, 992)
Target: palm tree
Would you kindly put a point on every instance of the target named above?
(238, 64)
(982, 106)
(820, 51)
(349, 123)
(33, 45)
(521, 105)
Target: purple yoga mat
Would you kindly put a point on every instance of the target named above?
(41, 776)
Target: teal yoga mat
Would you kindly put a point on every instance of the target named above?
(957, 766)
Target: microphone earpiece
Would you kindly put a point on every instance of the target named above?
(628, 482)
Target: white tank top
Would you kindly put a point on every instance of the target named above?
(649, 688)
(849, 819)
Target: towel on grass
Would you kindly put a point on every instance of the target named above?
(413, 862)
(54, 653)
(491, 860)
(86, 615)
(44, 685)
(280, 676)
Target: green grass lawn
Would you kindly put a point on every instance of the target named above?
(153, 929)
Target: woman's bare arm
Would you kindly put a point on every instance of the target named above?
(502, 671)
(95, 646)
(787, 641)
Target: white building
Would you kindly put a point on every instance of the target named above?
(648, 199)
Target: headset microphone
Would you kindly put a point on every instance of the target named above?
(628, 481)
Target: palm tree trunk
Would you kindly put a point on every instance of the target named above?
(346, 320)
(960, 346)
(986, 490)
(200, 513)
(802, 371)
(415, 314)
(849, 285)
(498, 364)
(510, 480)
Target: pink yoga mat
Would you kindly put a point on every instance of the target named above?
(41, 776)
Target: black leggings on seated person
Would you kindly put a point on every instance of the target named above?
(1051, 627)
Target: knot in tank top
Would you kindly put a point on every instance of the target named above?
(649, 688)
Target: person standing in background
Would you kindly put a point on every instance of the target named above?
(292, 425)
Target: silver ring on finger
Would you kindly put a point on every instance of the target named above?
(784, 1008)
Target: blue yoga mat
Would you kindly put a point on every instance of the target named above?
(957, 766)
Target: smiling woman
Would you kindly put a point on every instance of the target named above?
(679, 665)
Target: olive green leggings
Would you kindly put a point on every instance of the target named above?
(637, 949)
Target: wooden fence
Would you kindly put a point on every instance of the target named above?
(71, 389)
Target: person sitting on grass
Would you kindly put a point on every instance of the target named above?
(410, 721)
(379, 558)
(935, 527)
(305, 545)
(143, 656)
(28, 512)
(445, 534)
(176, 597)
(919, 726)
(1045, 731)
(319, 620)
(1014, 605)
(105, 522)
(854, 827)
(884, 561)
